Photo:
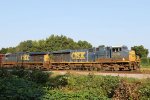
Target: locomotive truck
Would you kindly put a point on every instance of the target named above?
(97, 58)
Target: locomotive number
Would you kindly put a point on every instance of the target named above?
(78, 55)
(25, 57)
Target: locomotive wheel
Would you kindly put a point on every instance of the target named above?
(121, 69)
(67, 67)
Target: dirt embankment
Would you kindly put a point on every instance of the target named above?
(128, 75)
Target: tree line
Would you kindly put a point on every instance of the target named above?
(52, 43)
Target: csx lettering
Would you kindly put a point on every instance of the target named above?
(78, 55)
(25, 57)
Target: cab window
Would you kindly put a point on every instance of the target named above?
(116, 49)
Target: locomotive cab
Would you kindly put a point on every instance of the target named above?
(120, 52)
(116, 49)
(119, 48)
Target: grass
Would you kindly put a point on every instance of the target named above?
(145, 69)
(145, 66)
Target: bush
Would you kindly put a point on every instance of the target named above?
(35, 76)
(127, 91)
(13, 88)
(99, 85)
(24, 84)
(144, 91)
(58, 94)
(58, 81)
(109, 84)
(4, 73)
(145, 61)
(39, 77)
(70, 87)
(21, 73)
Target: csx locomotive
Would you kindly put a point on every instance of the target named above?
(100, 58)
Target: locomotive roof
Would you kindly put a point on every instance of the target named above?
(69, 51)
(30, 53)
(62, 51)
(38, 53)
(118, 46)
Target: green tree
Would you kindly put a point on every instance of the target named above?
(52, 43)
(4, 50)
(11, 50)
(8, 50)
(55, 42)
(140, 50)
(25, 46)
(84, 44)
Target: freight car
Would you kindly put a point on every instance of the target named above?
(100, 58)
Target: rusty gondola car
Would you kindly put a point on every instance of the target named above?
(100, 58)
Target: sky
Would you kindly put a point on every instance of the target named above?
(100, 22)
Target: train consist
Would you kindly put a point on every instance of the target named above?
(100, 58)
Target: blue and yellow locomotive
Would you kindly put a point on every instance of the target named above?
(100, 58)
(112, 57)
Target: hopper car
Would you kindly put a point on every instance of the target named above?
(97, 58)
